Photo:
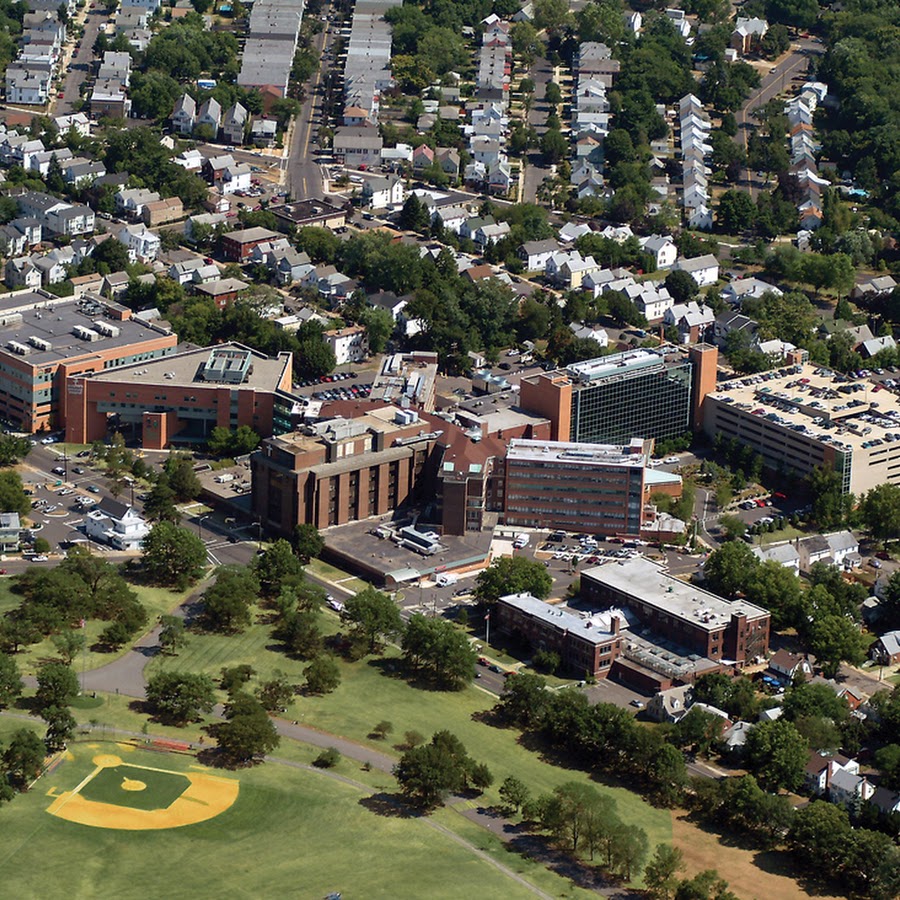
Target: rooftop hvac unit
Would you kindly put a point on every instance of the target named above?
(106, 328)
(16, 347)
(40, 343)
(86, 334)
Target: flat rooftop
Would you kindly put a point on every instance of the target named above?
(648, 583)
(573, 454)
(847, 412)
(46, 334)
(627, 363)
(585, 628)
(258, 371)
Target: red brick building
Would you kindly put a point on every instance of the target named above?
(238, 245)
(180, 399)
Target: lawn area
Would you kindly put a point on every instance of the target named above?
(295, 832)
(785, 534)
(371, 692)
(331, 573)
(156, 601)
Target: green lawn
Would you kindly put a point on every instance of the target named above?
(156, 601)
(370, 692)
(290, 833)
(331, 573)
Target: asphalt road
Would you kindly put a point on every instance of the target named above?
(81, 63)
(303, 176)
(775, 82)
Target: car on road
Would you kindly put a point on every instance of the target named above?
(875, 563)
(58, 470)
(637, 704)
(93, 488)
(77, 470)
(39, 558)
(65, 492)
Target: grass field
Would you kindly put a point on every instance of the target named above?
(290, 833)
(371, 692)
(156, 601)
(332, 573)
(160, 789)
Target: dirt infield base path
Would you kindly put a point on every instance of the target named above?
(751, 874)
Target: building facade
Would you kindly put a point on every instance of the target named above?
(610, 400)
(726, 632)
(181, 398)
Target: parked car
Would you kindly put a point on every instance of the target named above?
(93, 488)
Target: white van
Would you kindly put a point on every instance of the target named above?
(521, 541)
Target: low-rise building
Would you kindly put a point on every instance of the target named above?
(349, 344)
(116, 524)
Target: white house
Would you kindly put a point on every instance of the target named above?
(10, 531)
(662, 248)
(380, 193)
(235, 177)
(703, 269)
(117, 524)
(350, 344)
(184, 114)
(536, 253)
(742, 288)
(143, 245)
(450, 217)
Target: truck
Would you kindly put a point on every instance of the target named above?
(521, 541)
(224, 478)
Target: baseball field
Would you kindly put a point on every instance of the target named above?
(115, 820)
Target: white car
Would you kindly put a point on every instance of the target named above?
(670, 460)
(40, 558)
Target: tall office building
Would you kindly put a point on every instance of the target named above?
(610, 400)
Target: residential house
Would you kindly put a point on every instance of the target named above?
(131, 201)
(662, 248)
(448, 159)
(703, 269)
(784, 553)
(748, 34)
(591, 333)
(490, 232)
(10, 532)
(263, 131)
(423, 157)
(21, 272)
(728, 322)
(787, 666)
(534, 254)
(234, 123)
(886, 650)
(871, 348)
(358, 146)
(235, 177)
(873, 287)
(143, 245)
(116, 524)
(821, 768)
(222, 291)
(350, 344)
(743, 288)
(210, 115)
(670, 705)
(184, 115)
(450, 217)
(381, 193)
(571, 231)
(160, 212)
(693, 321)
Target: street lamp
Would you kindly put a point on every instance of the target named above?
(200, 526)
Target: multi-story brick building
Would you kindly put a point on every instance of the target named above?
(46, 341)
(584, 645)
(595, 488)
(733, 632)
(181, 398)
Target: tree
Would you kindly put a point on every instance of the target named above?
(440, 649)
(69, 643)
(628, 850)
(573, 810)
(276, 694)
(248, 733)
(225, 442)
(23, 759)
(61, 726)
(379, 325)
(323, 675)
(299, 630)
(682, 286)
(524, 699)
(836, 639)
(427, 773)
(13, 449)
(554, 146)
(308, 542)
(513, 575)
(514, 793)
(173, 556)
(180, 697)
(275, 567)
(57, 685)
(160, 505)
(706, 885)
(10, 681)
(736, 212)
(880, 511)
(172, 634)
(661, 874)
(727, 569)
(235, 677)
(733, 526)
(776, 753)
(12, 494)
(830, 505)
(820, 834)
(383, 729)
(226, 604)
(182, 478)
(373, 615)
(414, 216)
